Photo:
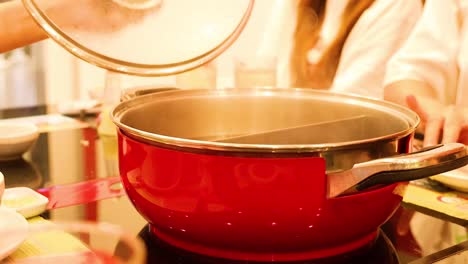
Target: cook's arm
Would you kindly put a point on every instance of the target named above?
(427, 63)
(17, 28)
(423, 73)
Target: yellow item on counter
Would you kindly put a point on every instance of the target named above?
(450, 203)
(106, 127)
(46, 243)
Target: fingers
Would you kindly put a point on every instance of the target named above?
(452, 125)
(433, 123)
(433, 130)
(414, 105)
(441, 123)
(463, 138)
(403, 225)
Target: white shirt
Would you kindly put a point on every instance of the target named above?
(377, 35)
(437, 51)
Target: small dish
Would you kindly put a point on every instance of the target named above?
(16, 139)
(11, 240)
(455, 179)
(25, 201)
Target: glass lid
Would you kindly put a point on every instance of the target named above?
(143, 37)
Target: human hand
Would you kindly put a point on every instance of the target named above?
(98, 16)
(440, 122)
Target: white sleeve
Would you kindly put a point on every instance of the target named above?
(430, 54)
(377, 35)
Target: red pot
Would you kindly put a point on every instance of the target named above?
(255, 201)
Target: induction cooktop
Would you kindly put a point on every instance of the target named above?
(379, 251)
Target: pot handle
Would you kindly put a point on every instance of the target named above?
(401, 168)
(420, 164)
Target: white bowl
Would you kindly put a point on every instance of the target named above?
(16, 139)
(455, 179)
(13, 229)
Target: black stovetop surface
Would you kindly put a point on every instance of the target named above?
(380, 251)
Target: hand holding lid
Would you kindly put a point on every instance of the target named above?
(143, 37)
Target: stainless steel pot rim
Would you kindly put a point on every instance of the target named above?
(410, 117)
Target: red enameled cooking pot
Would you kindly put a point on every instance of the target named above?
(256, 201)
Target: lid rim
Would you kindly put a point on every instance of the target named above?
(131, 68)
